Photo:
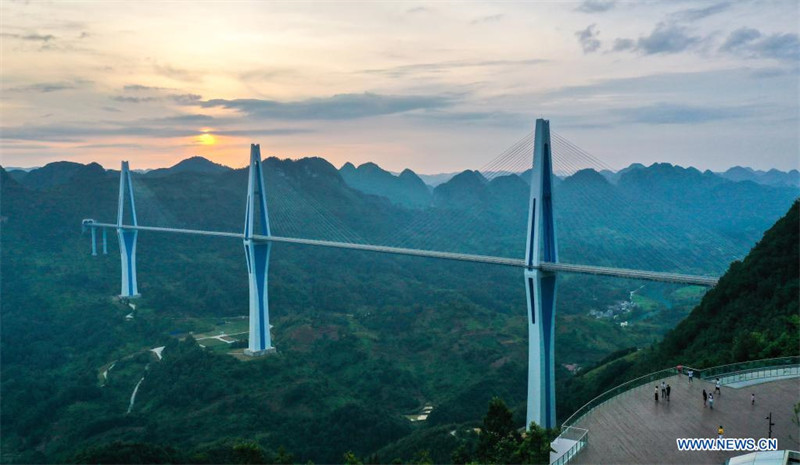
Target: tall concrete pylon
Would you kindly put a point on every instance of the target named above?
(257, 253)
(127, 237)
(540, 286)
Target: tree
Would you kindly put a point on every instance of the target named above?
(423, 458)
(351, 459)
(248, 452)
(283, 457)
(499, 438)
(460, 456)
(535, 445)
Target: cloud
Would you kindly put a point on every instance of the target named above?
(481, 118)
(181, 99)
(112, 109)
(740, 38)
(66, 133)
(487, 19)
(337, 107)
(140, 88)
(44, 87)
(185, 99)
(595, 6)
(267, 74)
(669, 113)
(186, 118)
(74, 133)
(31, 37)
(111, 146)
(405, 70)
(13, 145)
(621, 45)
(752, 43)
(695, 14)
(419, 9)
(129, 99)
(588, 38)
(262, 132)
(779, 46)
(176, 73)
(666, 38)
(704, 95)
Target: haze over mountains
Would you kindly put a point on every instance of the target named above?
(700, 228)
(369, 177)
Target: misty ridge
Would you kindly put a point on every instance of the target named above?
(599, 213)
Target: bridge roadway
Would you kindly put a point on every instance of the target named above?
(503, 261)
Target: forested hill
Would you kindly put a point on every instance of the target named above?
(752, 313)
(365, 342)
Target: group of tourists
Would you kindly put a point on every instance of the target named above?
(708, 397)
(665, 391)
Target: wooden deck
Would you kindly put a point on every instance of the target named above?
(633, 429)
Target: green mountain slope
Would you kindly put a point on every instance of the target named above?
(752, 313)
(406, 189)
(363, 339)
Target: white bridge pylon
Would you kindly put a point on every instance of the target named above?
(127, 236)
(540, 285)
(540, 265)
(257, 254)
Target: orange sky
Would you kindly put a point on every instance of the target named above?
(431, 86)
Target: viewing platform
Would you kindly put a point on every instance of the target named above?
(627, 426)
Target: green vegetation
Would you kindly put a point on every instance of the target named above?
(360, 346)
(751, 314)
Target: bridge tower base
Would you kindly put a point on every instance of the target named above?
(127, 237)
(540, 286)
(257, 254)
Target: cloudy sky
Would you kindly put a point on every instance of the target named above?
(431, 86)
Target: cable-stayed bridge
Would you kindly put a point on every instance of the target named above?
(627, 273)
(540, 265)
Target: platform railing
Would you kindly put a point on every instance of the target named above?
(770, 367)
(733, 372)
(580, 436)
(615, 391)
(760, 373)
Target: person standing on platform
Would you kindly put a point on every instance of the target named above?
(656, 393)
(669, 388)
(705, 397)
(720, 432)
(663, 390)
(691, 375)
(711, 401)
(753, 398)
(716, 387)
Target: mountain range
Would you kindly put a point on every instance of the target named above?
(364, 340)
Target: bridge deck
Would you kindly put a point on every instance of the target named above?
(632, 428)
(503, 261)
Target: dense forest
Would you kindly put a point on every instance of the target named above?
(365, 342)
(753, 313)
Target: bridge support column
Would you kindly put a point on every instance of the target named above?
(540, 286)
(94, 242)
(127, 237)
(257, 254)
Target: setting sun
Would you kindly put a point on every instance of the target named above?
(206, 139)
